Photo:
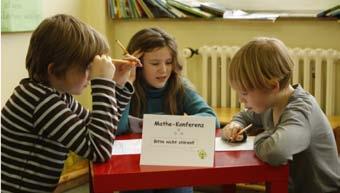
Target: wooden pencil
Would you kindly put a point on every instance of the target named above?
(121, 46)
(245, 129)
(120, 61)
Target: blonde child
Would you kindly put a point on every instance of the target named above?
(42, 122)
(296, 131)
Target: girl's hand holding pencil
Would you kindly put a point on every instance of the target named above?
(233, 132)
(126, 67)
(128, 58)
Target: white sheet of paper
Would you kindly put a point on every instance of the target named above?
(171, 140)
(129, 146)
(221, 145)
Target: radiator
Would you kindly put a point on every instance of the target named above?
(314, 69)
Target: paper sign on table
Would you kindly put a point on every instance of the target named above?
(171, 140)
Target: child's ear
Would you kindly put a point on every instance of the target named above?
(51, 72)
(276, 86)
(50, 69)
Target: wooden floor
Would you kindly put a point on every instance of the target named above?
(80, 189)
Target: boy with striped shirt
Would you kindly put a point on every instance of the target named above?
(41, 122)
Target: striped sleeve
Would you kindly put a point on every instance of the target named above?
(123, 97)
(91, 139)
(78, 109)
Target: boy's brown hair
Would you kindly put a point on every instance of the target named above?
(147, 40)
(259, 63)
(62, 40)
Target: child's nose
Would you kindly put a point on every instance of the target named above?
(162, 68)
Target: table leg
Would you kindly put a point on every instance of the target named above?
(229, 188)
(90, 179)
(277, 187)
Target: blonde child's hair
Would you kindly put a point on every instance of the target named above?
(259, 63)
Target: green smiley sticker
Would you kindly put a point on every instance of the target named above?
(202, 154)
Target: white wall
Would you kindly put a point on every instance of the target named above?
(14, 45)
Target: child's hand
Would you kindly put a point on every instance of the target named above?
(102, 67)
(132, 77)
(230, 132)
(126, 69)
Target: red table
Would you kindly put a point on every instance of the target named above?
(123, 172)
